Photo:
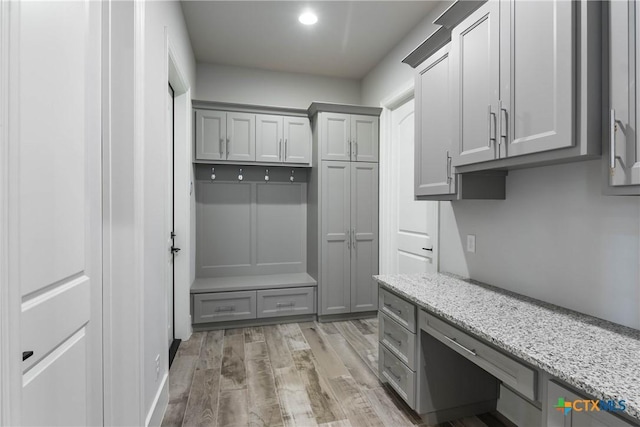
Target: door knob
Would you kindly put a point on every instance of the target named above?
(425, 249)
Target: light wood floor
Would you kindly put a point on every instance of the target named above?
(296, 374)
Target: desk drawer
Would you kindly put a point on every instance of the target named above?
(400, 341)
(400, 310)
(508, 370)
(224, 306)
(286, 302)
(396, 373)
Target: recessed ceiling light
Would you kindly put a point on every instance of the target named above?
(308, 18)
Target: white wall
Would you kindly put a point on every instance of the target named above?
(158, 16)
(555, 237)
(242, 85)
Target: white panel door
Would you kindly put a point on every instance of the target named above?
(268, 138)
(537, 76)
(169, 226)
(415, 222)
(55, 209)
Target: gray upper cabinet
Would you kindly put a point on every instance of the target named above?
(241, 137)
(537, 75)
(526, 84)
(349, 137)
(364, 138)
(475, 49)
(622, 151)
(433, 144)
(211, 135)
(336, 130)
(297, 140)
(269, 138)
(364, 236)
(251, 134)
(336, 237)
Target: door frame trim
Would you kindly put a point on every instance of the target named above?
(10, 301)
(401, 95)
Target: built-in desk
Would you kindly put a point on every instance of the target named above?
(471, 342)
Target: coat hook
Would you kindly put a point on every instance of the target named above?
(240, 177)
(266, 175)
(291, 178)
(213, 174)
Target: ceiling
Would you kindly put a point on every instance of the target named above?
(350, 38)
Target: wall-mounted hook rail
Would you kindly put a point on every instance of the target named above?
(213, 174)
(292, 178)
(240, 177)
(266, 175)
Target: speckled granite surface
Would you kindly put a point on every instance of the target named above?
(598, 357)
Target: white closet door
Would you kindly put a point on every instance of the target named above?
(268, 138)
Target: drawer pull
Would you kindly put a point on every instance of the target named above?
(392, 338)
(454, 341)
(285, 304)
(225, 308)
(390, 307)
(389, 370)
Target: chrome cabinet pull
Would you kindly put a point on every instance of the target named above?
(393, 374)
(392, 338)
(448, 167)
(356, 143)
(221, 147)
(504, 125)
(225, 308)
(353, 238)
(613, 127)
(350, 153)
(490, 115)
(285, 149)
(228, 144)
(454, 341)
(392, 308)
(285, 304)
(280, 149)
(348, 239)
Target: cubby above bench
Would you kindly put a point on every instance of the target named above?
(246, 298)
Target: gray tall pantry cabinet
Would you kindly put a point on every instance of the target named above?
(343, 208)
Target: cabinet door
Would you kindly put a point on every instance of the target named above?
(475, 45)
(335, 290)
(335, 131)
(364, 138)
(433, 126)
(211, 134)
(241, 137)
(537, 76)
(623, 155)
(297, 140)
(268, 138)
(364, 236)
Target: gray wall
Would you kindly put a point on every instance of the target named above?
(242, 85)
(555, 237)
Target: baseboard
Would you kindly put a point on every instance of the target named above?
(160, 403)
(253, 322)
(347, 316)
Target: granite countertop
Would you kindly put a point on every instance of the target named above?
(598, 357)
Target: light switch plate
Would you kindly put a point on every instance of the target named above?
(471, 243)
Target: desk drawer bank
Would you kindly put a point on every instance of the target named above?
(453, 348)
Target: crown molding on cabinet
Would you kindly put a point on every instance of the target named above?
(328, 107)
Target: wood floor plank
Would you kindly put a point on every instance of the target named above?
(253, 334)
(386, 407)
(364, 376)
(266, 416)
(202, 406)
(260, 377)
(278, 349)
(355, 405)
(293, 336)
(233, 408)
(363, 327)
(294, 400)
(341, 423)
(323, 402)
(366, 349)
(211, 352)
(233, 371)
(327, 327)
(233, 331)
(180, 380)
(192, 346)
(328, 361)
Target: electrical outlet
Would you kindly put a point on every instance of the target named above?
(471, 243)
